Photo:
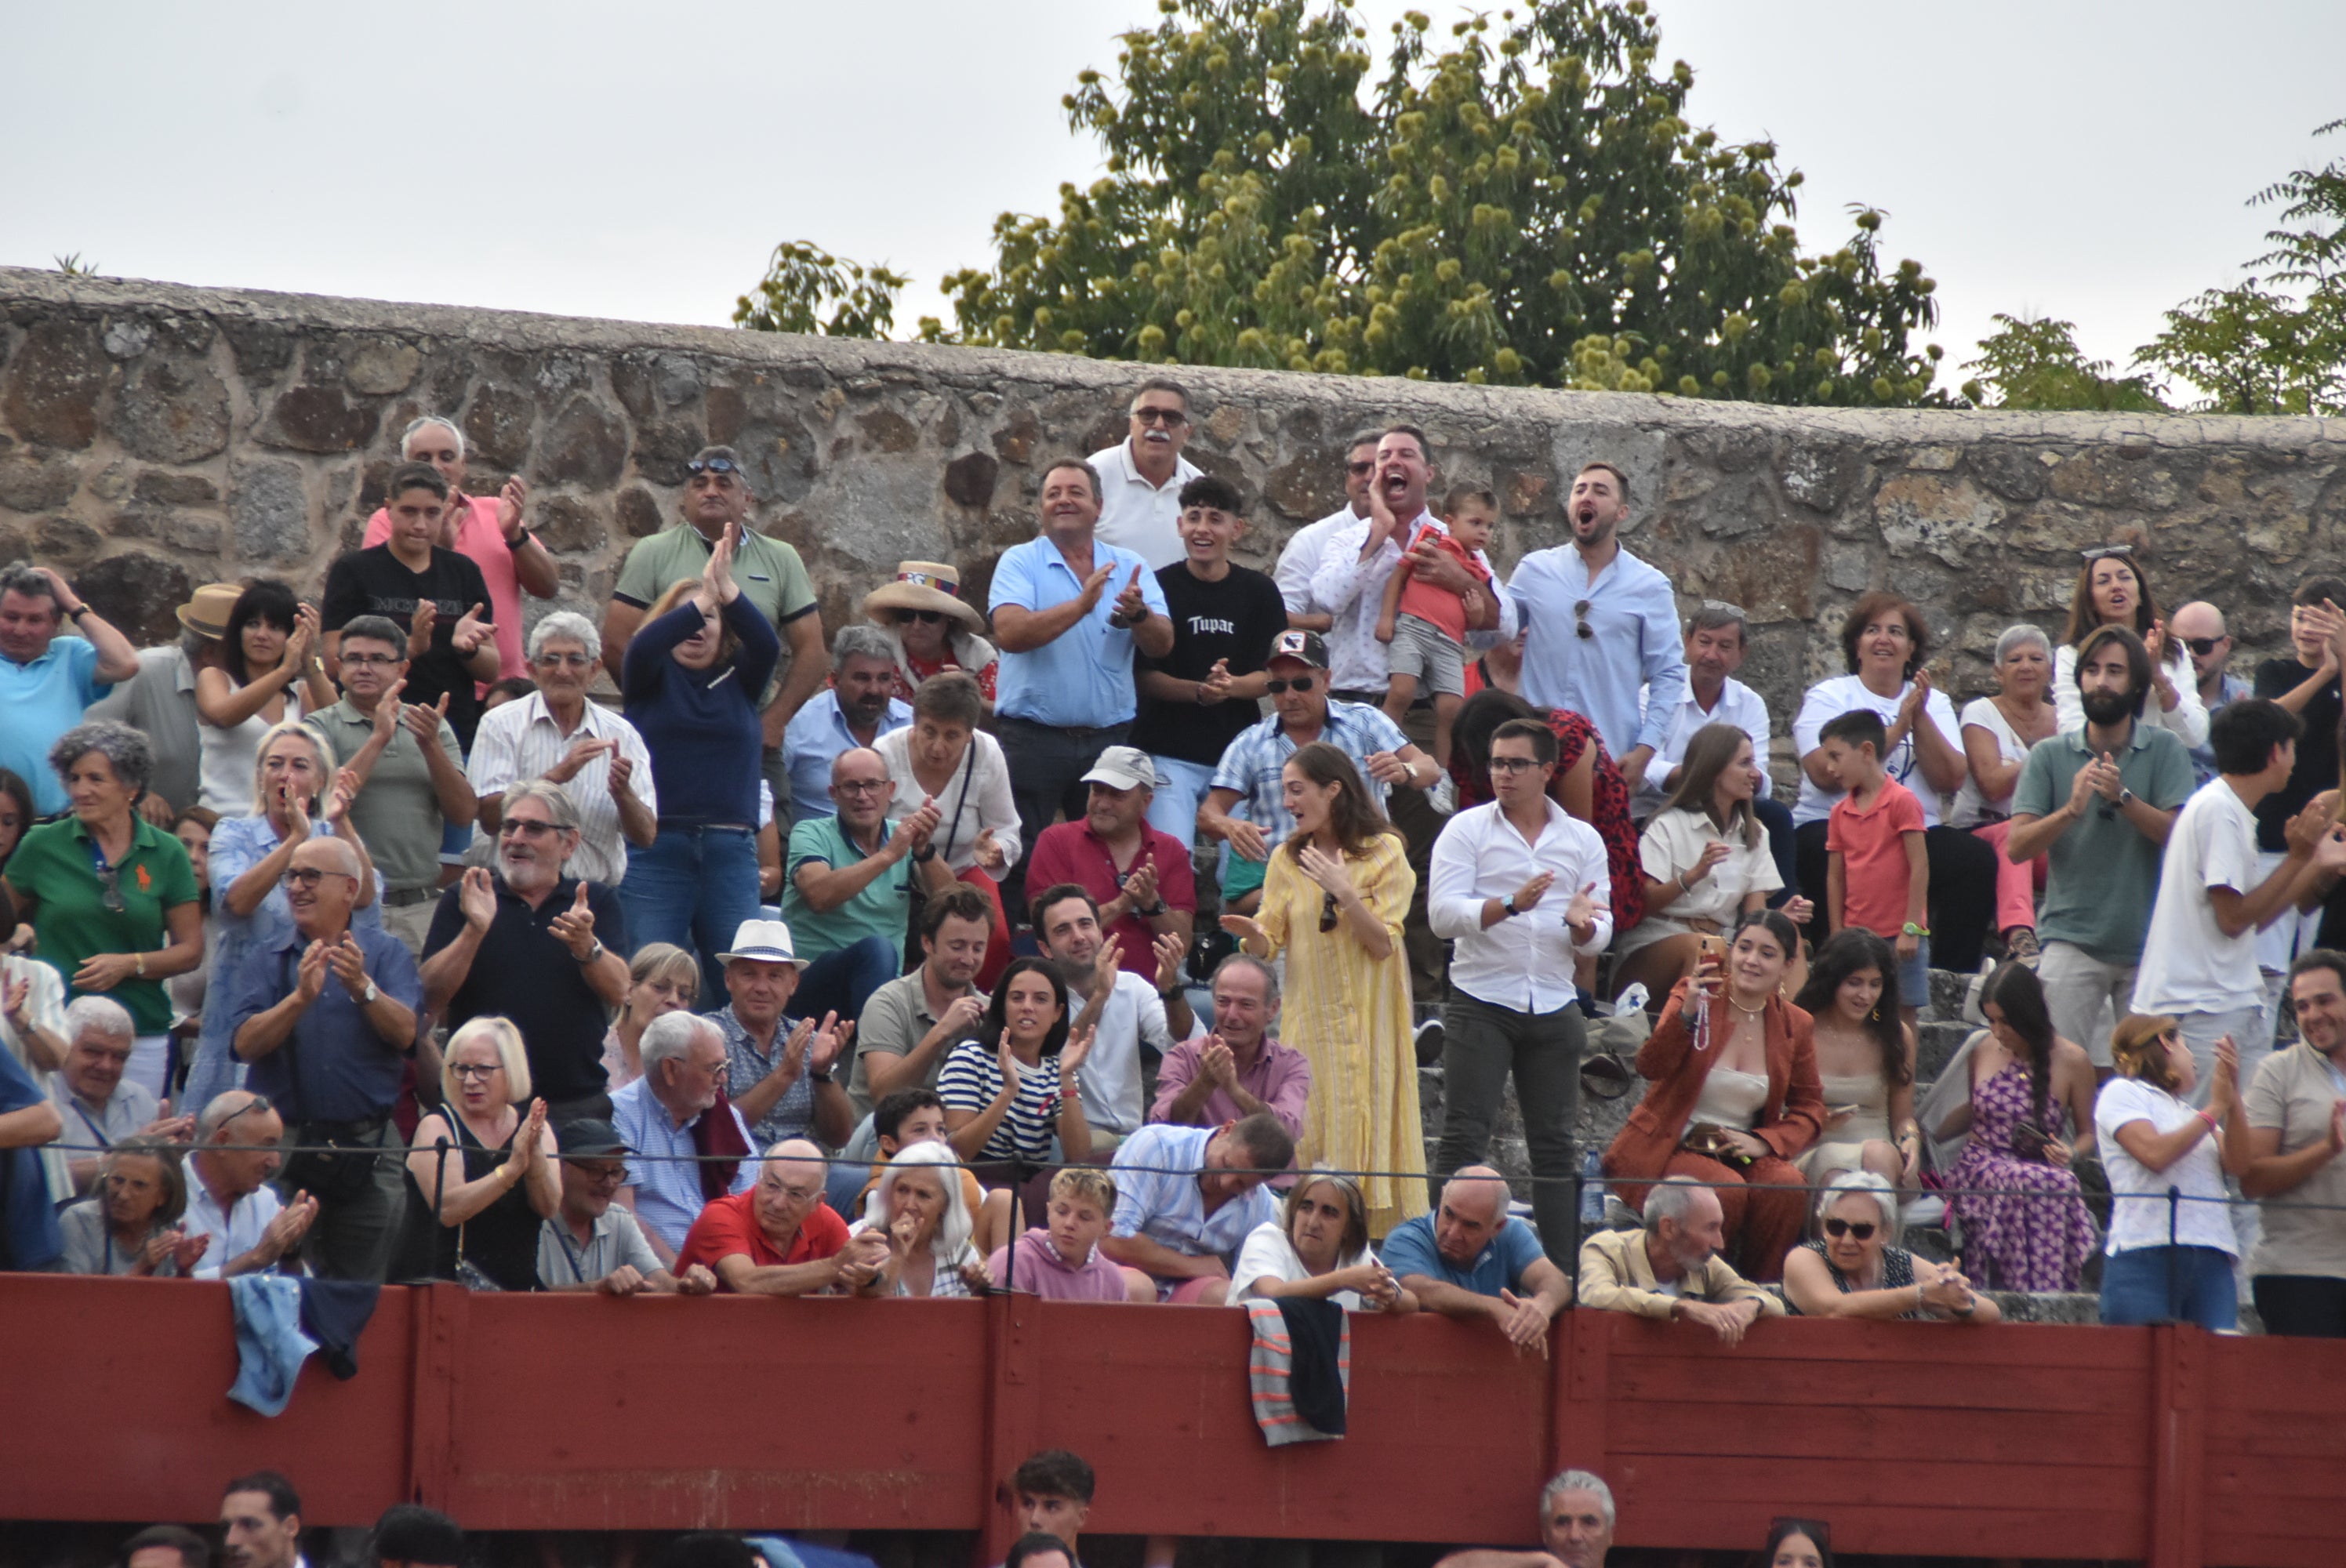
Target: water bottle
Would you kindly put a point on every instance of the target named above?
(1592, 1188)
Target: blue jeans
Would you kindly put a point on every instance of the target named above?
(1047, 764)
(694, 887)
(1777, 819)
(1180, 788)
(841, 982)
(2170, 1285)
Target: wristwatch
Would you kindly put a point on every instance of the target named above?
(520, 538)
(1152, 911)
(1911, 928)
(1508, 904)
(366, 997)
(593, 953)
(76, 614)
(2125, 797)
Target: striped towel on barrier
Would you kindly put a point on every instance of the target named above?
(1299, 1371)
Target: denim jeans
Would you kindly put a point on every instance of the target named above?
(2170, 1284)
(693, 886)
(1481, 1044)
(1180, 788)
(842, 980)
(1046, 768)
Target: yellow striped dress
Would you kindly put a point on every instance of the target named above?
(1350, 1015)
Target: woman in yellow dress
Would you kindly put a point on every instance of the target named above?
(1334, 899)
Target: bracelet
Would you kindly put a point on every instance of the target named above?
(2201, 1114)
(924, 854)
(142, 974)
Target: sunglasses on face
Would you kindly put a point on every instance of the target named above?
(525, 828)
(2203, 647)
(712, 466)
(1837, 1229)
(926, 617)
(1368, 467)
(1301, 683)
(1170, 418)
(1580, 621)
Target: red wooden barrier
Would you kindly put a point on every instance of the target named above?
(2167, 1446)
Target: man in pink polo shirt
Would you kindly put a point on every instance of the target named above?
(489, 533)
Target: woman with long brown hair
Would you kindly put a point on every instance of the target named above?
(1334, 896)
(1865, 1060)
(2111, 591)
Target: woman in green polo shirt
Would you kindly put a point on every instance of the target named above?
(111, 898)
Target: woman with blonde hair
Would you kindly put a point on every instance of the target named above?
(2172, 1252)
(481, 1176)
(661, 978)
(1334, 896)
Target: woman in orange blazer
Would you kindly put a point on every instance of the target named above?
(1736, 1080)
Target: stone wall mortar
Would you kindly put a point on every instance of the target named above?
(153, 437)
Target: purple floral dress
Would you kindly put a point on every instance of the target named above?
(2029, 1230)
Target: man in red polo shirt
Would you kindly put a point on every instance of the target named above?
(779, 1239)
(1140, 878)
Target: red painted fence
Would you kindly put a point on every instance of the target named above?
(2167, 1446)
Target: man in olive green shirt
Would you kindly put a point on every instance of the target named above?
(772, 576)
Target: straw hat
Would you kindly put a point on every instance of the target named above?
(206, 612)
(924, 585)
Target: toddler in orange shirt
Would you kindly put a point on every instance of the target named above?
(1426, 625)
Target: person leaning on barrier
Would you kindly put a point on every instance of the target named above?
(481, 1173)
(1319, 1250)
(1187, 1198)
(1472, 1260)
(1671, 1267)
(231, 1200)
(1577, 1519)
(593, 1244)
(1856, 1270)
(129, 1225)
(2286, 1146)
(918, 1205)
(1062, 1260)
(779, 1238)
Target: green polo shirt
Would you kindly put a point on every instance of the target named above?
(397, 813)
(71, 923)
(770, 574)
(2102, 876)
(883, 908)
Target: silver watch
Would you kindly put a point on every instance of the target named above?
(366, 998)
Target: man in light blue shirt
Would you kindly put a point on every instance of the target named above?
(1598, 623)
(684, 1068)
(859, 707)
(46, 681)
(1068, 611)
(1187, 1198)
(1474, 1260)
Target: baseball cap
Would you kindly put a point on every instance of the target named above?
(1310, 648)
(1123, 768)
(589, 1139)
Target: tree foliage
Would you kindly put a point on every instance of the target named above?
(808, 290)
(1525, 202)
(2036, 364)
(2277, 342)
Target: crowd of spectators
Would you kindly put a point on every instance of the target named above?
(1095, 938)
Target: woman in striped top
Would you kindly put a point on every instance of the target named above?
(1005, 1101)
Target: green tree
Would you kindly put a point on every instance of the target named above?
(803, 281)
(2277, 342)
(2036, 364)
(1528, 203)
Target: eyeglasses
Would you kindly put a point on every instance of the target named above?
(600, 1176)
(1327, 912)
(712, 466)
(1368, 467)
(926, 617)
(526, 827)
(1512, 764)
(1170, 418)
(861, 786)
(1301, 683)
(2203, 647)
(109, 885)
(309, 875)
(1837, 1229)
(369, 661)
(1580, 620)
(558, 661)
(257, 1103)
(469, 1071)
(2104, 552)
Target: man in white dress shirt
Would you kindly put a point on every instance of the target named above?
(1524, 889)
(1141, 477)
(1717, 638)
(1300, 562)
(230, 1200)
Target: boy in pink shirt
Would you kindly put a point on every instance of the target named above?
(1062, 1261)
(1426, 625)
(1878, 878)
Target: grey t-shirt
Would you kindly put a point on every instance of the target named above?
(896, 1018)
(616, 1239)
(84, 1227)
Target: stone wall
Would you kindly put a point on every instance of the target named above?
(153, 437)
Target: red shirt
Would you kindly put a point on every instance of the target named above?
(1871, 844)
(729, 1225)
(1440, 606)
(1072, 852)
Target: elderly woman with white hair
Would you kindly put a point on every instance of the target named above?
(1998, 732)
(1318, 1249)
(1855, 1269)
(918, 1204)
(557, 735)
(481, 1176)
(129, 1225)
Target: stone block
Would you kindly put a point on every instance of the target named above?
(262, 348)
(382, 369)
(586, 446)
(319, 419)
(639, 513)
(54, 381)
(727, 414)
(175, 489)
(269, 509)
(1306, 489)
(567, 525)
(172, 411)
(969, 479)
(30, 485)
(885, 430)
(195, 533)
(1819, 476)
(1923, 513)
(497, 427)
(137, 593)
(64, 541)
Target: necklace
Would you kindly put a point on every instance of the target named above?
(1747, 1011)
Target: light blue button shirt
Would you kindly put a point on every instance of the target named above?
(1157, 1196)
(1633, 641)
(1082, 678)
(40, 701)
(661, 1170)
(812, 741)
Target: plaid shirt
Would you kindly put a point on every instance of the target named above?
(1251, 765)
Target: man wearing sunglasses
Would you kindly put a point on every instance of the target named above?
(536, 945)
(1300, 562)
(1141, 477)
(557, 735)
(324, 1014)
(2200, 627)
(230, 1201)
(771, 578)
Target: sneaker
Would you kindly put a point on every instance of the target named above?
(1444, 796)
(2019, 945)
(1430, 1040)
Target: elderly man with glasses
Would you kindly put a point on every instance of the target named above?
(594, 1244)
(324, 1014)
(231, 1200)
(555, 734)
(1141, 477)
(534, 943)
(779, 1238)
(773, 579)
(670, 1119)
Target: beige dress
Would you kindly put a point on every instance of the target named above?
(1845, 1147)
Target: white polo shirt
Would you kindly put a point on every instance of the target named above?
(1137, 515)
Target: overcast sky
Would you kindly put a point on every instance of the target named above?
(2086, 161)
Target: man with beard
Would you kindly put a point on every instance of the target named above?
(324, 1014)
(2099, 803)
(1671, 1267)
(859, 707)
(1126, 1010)
(536, 945)
(909, 1024)
(1598, 623)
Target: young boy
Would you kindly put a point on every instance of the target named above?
(1877, 877)
(1062, 1261)
(1426, 626)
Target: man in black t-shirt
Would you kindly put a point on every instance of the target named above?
(2306, 685)
(1196, 699)
(435, 595)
